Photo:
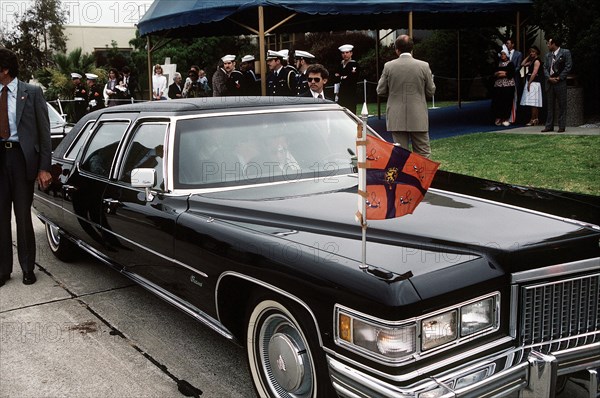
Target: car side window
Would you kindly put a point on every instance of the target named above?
(100, 152)
(76, 146)
(146, 150)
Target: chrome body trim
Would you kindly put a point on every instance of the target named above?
(589, 264)
(184, 306)
(534, 376)
(269, 287)
(423, 370)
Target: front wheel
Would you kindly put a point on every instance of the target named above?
(60, 246)
(283, 354)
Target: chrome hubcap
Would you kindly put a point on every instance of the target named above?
(53, 236)
(286, 361)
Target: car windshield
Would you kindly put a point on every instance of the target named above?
(257, 148)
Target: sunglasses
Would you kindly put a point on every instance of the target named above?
(315, 79)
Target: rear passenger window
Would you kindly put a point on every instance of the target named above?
(100, 152)
(146, 150)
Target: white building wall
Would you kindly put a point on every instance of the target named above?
(89, 38)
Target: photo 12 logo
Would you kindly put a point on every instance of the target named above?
(82, 12)
(121, 13)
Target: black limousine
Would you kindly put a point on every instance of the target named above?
(240, 212)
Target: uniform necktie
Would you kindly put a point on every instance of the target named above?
(552, 64)
(4, 127)
(320, 96)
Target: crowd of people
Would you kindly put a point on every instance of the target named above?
(540, 79)
(91, 96)
(284, 78)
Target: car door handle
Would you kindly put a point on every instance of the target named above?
(111, 205)
(69, 190)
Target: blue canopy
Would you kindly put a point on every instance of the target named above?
(231, 17)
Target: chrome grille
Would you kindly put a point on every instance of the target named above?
(562, 309)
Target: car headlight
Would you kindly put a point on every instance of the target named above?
(438, 330)
(390, 342)
(444, 327)
(477, 316)
(398, 341)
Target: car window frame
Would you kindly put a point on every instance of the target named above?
(83, 151)
(127, 140)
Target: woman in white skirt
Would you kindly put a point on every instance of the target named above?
(532, 94)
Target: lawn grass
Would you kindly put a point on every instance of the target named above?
(562, 162)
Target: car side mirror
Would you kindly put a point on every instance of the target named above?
(144, 178)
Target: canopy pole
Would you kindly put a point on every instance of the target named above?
(149, 52)
(518, 30)
(410, 24)
(458, 67)
(262, 51)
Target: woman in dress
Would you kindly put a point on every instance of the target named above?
(504, 90)
(159, 84)
(110, 88)
(532, 94)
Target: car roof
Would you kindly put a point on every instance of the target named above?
(213, 103)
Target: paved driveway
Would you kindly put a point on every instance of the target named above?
(84, 330)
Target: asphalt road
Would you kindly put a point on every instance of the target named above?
(84, 330)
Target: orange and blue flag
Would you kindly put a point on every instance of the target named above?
(396, 179)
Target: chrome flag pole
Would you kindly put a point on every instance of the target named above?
(361, 152)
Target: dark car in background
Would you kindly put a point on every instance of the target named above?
(59, 127)
(240, 212)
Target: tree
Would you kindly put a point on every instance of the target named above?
(57, 77)
(38, 35)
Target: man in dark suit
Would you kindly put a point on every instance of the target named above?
(556, 69)
(317, 77)
(25, 156)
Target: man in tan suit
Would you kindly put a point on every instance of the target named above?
(406, 82)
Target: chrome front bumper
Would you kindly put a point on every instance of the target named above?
(534, 376)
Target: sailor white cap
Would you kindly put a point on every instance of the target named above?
(75, 75)
(228, 58)
(91, 76)
(346, 47)
(303, 54)
(285, 53)
(248, 58)
(274, 54)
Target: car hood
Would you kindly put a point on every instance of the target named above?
(446, 230)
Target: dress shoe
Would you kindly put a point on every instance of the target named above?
(29, 278)
(3, 279)
(561, 130)
(547, 130)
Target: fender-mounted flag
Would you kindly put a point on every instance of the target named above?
(396, 179)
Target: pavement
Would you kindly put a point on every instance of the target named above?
(475, 117)
(84, 330)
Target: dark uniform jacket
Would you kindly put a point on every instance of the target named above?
(95, 98)
(348, 76)
(281, 83)
(235, 84)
